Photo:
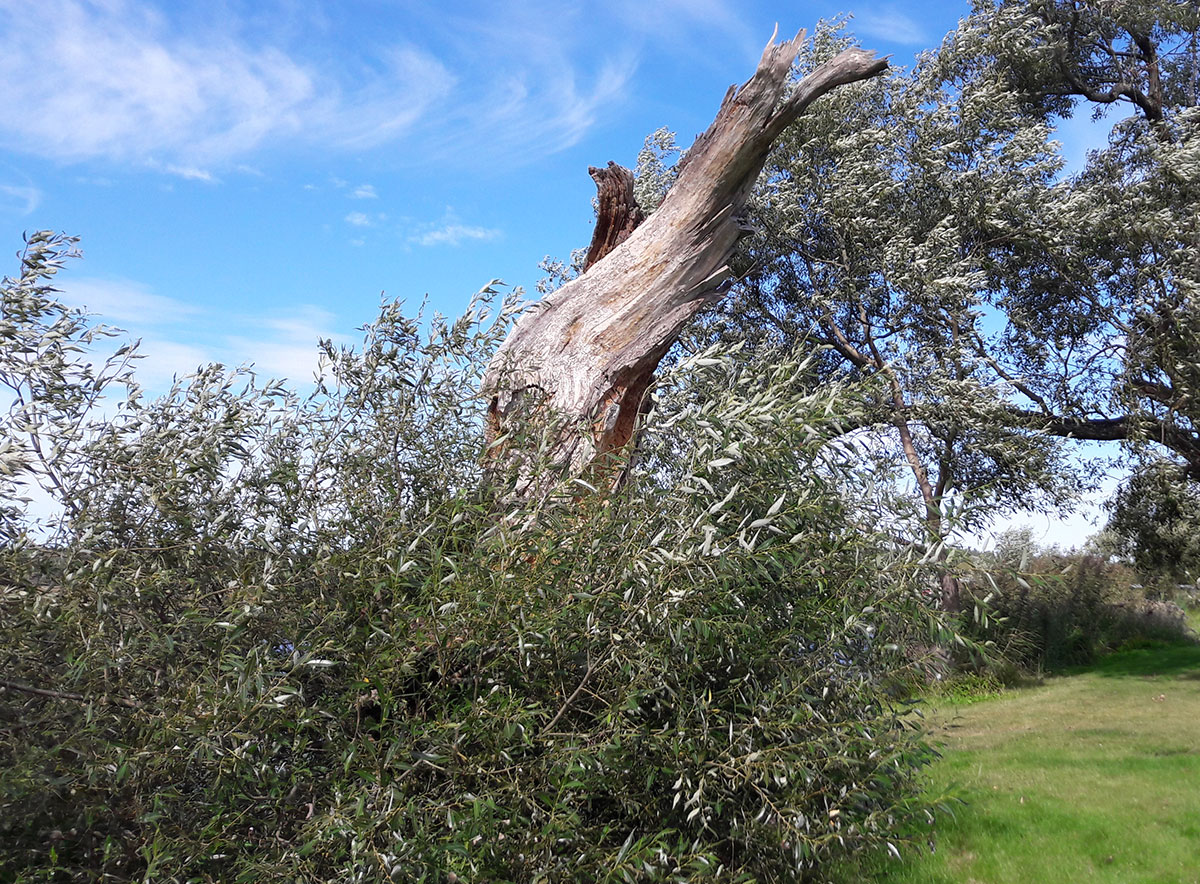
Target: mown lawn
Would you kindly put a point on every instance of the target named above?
(1090, 777)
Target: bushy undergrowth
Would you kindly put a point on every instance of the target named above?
(297, 638)
(1047, 610)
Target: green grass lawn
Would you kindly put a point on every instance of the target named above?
(1090, 777)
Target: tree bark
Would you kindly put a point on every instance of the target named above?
(1179, 439)
(584, 357)
(618, 213)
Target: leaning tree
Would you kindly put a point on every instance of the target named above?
(583, 360)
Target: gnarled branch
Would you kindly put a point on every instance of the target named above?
(587, 353)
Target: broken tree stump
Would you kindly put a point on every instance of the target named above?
(582, 359)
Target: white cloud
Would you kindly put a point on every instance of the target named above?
(364, 192)
(358, 219)
(295, 362)
(124, 301)
(177, 337)
(677, 22)
(451, 231)
(532, 113)
(191, 173)
(23, 199)
(1066, 530)
(577, 108)
(113, 80)
(547, 75)
(163, 360)
(198, 90)
(287, 349)
(306, 322)
(889, 23)
(291, 350)
(455, 235)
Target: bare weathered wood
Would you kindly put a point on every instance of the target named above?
(618, 213)
(587, 353)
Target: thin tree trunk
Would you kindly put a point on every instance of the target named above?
(585, 356)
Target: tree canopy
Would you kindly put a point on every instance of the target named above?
(998, 303)
(274, 635)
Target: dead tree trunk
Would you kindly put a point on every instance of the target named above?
(587, 353)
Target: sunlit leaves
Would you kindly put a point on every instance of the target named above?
(294, 637)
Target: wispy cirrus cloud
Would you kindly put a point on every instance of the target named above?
(364, 192)
(114, 80)
(178, 337)
(891, 24)
(191, 173)
(192, 93)
(574, 108)
(148, 317)
(685, 24)
(536, 77)
(20, 198)
(451, 231)
(288, 348)
(455, 235)
(123, 300)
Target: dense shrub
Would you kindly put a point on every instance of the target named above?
(1046, 609)
(1154, 520)
(296, 638)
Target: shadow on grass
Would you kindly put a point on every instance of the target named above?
(1157, 658)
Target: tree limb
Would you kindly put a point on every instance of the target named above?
(587, 353)
(65, 695)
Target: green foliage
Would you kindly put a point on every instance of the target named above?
(1139, 54)
(48, 384)
(1105, 310)
(967, 688)
(285, 637)
(656, 170)
(293, 638)
(922, 232)
(880, 227)
(1048, 610)
(1154, 518)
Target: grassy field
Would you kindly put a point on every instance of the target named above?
(1089, 777)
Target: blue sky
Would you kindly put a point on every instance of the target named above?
(248, 176)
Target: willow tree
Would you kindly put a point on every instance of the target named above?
(584, 358)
